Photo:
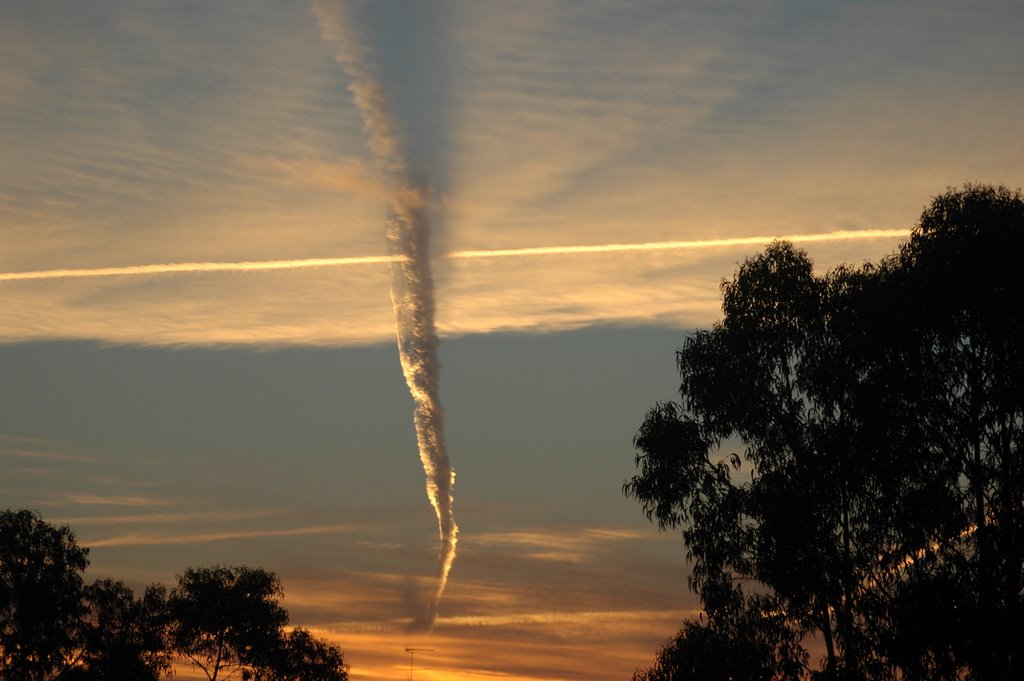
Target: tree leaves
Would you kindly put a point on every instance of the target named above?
(880, 411)
(227, 621)
(40, 596)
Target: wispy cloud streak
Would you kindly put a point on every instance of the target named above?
(89, 499)
(412, 288)
(695, 244)
(197, 267)
(45, 455)
(136, 539)
(411, 209)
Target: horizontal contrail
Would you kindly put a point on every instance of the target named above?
(183, 267)
(677, 245)
(256, 265)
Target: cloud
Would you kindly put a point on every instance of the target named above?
(360, 611)
(159, 539)
(517, 649)
(44, 455)
(244, 303)
(202, 137)
(575, 545)
(528, 252)
(90, 499)
(551, 617)
(350, 176)
(166, 518)
(162, 145)
(412, 285)
(22, 439)
(332, 307)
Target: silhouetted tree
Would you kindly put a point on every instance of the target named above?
(123, 637)
(879, 413)
(301, 657)
(41, 592)
(792, 525)
(748, 639)
(962, 270)
(227, 619)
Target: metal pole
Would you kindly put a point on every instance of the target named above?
(412, 652)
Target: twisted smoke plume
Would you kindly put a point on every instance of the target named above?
(412, 287)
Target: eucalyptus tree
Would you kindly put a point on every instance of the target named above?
(750, 640)
(302, 657)
(227, 620)
(123, 636)
(846, 447)
(41, 589)
(228, 623)
(790, 522)
(964, 281)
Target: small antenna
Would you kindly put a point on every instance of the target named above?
(412, 652)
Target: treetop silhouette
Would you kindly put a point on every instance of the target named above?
(845, 459)
(225, 621)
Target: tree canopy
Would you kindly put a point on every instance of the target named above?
(226, 621)
(301, 657)
(123, 637)
(845, 459)
(41, 591)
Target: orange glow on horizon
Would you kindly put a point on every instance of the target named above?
(592, 645)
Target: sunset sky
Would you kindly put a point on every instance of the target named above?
(190, 415)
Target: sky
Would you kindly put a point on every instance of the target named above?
(181, 414)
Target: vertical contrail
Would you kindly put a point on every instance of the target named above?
(412, 287)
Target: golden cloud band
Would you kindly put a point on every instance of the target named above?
(259, 265)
